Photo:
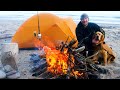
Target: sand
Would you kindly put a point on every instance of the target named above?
(112, 39)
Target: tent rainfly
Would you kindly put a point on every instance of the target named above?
(52, 26)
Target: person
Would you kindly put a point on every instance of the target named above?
(84, 32)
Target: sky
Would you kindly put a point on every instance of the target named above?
(96, 13)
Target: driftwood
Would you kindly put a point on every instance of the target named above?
(39, 72)
(84, 65)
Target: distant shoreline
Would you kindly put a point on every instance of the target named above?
(109, 26)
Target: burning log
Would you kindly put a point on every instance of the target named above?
(78, 50)
(38, 65)
(86, 68)
(67, 62)
(39, 72)
(46, 75)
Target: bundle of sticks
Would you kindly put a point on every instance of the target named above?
(81, 68)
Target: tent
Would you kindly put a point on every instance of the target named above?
(52, 26)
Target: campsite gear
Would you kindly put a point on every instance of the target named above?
(51, 26)
(35, 34)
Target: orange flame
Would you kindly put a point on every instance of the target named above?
(76, 74)
(44, 41)
(38, 44)
(57, 61)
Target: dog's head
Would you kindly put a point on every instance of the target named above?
(98, 38)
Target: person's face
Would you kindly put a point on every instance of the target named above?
(85, 21)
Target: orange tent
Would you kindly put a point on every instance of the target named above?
(52, 26)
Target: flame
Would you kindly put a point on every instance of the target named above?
(57, 61)
(77, 74)
(44, 41)
(38, 44)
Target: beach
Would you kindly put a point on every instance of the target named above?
(112, 38)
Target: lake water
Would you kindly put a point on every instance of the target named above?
(110, 17)
(103, 17)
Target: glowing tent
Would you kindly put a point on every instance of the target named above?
(52, 26)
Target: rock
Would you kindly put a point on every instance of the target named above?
(2, 74)
(8, 68)
(12, 47)
(11, 73)
(9, 54)
(14, 76)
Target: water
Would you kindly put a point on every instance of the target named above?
(99, 17)
(110, 17)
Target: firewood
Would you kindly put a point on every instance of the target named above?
(44, 74)
(83, 66)
(39, 72)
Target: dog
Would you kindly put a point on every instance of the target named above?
(104, 51)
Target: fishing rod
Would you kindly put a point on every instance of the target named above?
(38, 23)
(38, 35)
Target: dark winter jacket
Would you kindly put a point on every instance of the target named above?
(84, 34)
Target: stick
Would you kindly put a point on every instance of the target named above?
(64, 45)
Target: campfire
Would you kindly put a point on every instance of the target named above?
(57, 61)
(64, 62)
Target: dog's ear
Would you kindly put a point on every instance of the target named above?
(102, 38)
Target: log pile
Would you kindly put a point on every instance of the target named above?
(80, 68)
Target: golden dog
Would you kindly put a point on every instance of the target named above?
(104, 51)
